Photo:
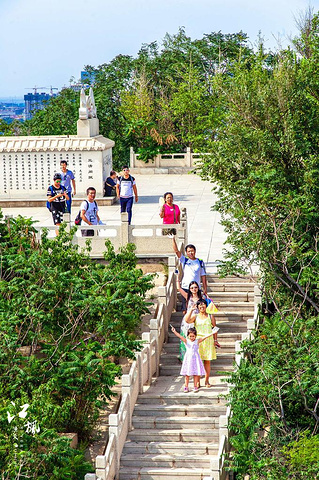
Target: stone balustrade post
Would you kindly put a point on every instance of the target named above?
(124, 232)
(155, 336)
(132, 158)
(162, 300)
(182, 233)
(139, 364)
(127, 389)
(114, 428)
(146, 337)
(171, 264)
(257, 295)
(188, 157)
(67, 220)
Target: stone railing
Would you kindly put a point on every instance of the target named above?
(145, 366)
(166, 162)
(148, 239)
(252, 324)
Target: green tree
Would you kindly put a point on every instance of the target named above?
(63, 320)
(264, 163)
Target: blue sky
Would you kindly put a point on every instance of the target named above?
(45, 42)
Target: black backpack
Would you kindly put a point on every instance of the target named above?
(78, 218)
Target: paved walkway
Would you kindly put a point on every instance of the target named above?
(189, 191)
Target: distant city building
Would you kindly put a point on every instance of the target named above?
(35, 101)
(10, 111)
(87, 78)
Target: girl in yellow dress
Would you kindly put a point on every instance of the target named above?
(204, 324)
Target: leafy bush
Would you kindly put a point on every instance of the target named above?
(63, 320)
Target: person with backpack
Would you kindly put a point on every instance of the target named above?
(193, 270)
(89, 212)
(110, 184)
(56, 200)
(125, 188)
(67, 179)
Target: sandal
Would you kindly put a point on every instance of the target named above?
(186, 389)
(196, 389)
(208, 385)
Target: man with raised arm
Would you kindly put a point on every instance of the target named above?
(193, 269)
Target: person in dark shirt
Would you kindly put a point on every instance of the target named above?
(57, 197)
(110, 185)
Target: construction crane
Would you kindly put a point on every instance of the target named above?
(51, 89)
(35, 89)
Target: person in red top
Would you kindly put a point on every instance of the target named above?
(169, 212)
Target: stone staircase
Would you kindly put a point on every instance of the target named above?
(176, 434)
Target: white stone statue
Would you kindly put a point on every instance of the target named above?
(93, 107)
(83, 112)
(87, 105)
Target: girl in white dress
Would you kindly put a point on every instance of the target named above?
(192, 363)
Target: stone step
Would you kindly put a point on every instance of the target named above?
(226, 347)
(223, 337)
(215, 370)
(184, 411)
(211, 277)
(173, 435)
(179, 448)
(165, 460)
(230, 287)
(209, 396)
(231, 297)
(173, 423)
(235, 307)
(149, 473)
(225, 326)
(242, 316)
(222, 358)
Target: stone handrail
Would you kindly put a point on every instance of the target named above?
(165, 161)
(144, 367)
(148, 239)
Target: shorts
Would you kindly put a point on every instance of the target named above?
(57, 216)
(87, 233)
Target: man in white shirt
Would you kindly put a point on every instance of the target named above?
(125, 188)
(89, 212)
(193, 269)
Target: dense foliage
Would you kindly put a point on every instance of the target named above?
(63, 321)
(265, 162)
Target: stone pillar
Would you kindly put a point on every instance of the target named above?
(162, 299)
(124, 229)
(88, 128)
(146, 337)
(188, 157)
(154, 335)
(132, 158)
(67, 220)
(114, 428)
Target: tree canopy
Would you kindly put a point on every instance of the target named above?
(63, 321)
(160, 101)
(264, 162)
